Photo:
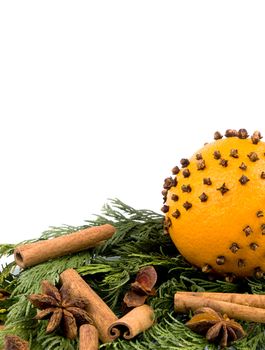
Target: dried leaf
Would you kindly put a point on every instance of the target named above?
(134, 299)
(145, 279)
(142, 287)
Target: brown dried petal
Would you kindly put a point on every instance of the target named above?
(134, 299)
(80, 315)
(43, 314)
(69, 325)
(13, 342)
(55, 320)
(214, 331)
(231, 334)
(42, 301)
(146, 279)
(51, 290)
(224, 339)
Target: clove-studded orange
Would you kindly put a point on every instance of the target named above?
(214, 205)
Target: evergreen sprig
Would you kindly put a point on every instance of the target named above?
(109, 269)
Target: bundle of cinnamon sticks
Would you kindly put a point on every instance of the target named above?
(106, 325)
(246, 307)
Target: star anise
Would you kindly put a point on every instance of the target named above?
(142, 287)
(13, 342)
(215, 327)
(60, 309)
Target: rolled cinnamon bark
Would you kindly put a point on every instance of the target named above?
(34, 253)
(255, 300)
(88, 337)
(134, 322)
(184, 303)
(98, 310)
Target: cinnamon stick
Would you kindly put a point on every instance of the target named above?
(255, 300)
(88, 337)
(184, 303)
(98, 310)
(32, 254)
(134, 322)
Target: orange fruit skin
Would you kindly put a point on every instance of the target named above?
(208, 229)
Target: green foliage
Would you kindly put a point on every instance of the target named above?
(109, 269)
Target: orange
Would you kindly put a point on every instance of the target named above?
(215, 206)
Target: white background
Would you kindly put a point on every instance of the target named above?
(100, 99)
